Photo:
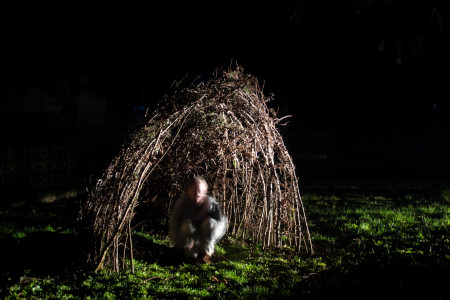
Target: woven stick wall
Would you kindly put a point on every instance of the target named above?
(223, 130)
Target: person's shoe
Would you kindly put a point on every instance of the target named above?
(206, 259)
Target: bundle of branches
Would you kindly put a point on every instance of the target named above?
(223, 130)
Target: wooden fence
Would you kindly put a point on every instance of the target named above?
(36, 166)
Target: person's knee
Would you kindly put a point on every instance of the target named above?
(211, 232)
(208, 225)
(183, 235)
(187, 227)
(215, 229)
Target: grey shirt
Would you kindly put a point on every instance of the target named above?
(186, 209)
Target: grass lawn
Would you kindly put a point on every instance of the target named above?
(371, 240)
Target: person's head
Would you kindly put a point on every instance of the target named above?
(197, 189)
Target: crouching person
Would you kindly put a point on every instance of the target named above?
(197, 223)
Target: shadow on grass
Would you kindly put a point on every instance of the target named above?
(152, 252)
(40, 254)
(50, 252)
(377, 283)
(36, 241)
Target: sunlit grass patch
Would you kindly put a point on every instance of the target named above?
(158, 240)
(364, 238)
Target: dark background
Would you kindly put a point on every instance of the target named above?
(367, 82)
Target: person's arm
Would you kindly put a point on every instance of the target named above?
(215, 211)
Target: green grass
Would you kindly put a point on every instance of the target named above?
(371, 240)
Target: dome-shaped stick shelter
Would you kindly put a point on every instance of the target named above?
(223, 130)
